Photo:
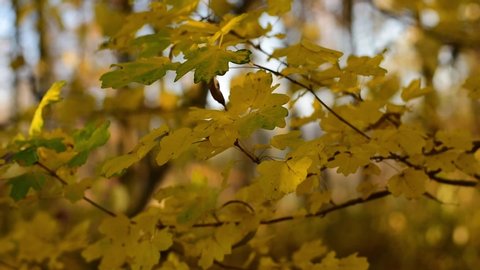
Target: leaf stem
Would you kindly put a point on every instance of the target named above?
(251, 156)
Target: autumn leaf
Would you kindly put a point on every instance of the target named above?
(278, 7)
(118, 164)
(414, 90)
(174, 144)
(278, 178)
(307, 53)
(351, 262)
(409, 182)
(51, 96)
(366, 66)
(210, 61)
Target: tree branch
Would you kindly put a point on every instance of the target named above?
(432, 174)
(251, 156)
(321, 213)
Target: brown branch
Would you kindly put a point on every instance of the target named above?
(321, 213)
(432, 174)
(324, 212)
(65, 183)
(251, 156)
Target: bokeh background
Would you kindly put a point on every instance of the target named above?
(42, 41)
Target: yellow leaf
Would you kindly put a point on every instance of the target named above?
(413, 90)
(307, 53)
(279, 7)
(283, 141)
(460, 139)
(118, 164)
(278, 178)
(227, 27)
(174, 144)
(318, 199)
(366, 188)
(366, 66)
(410, 182)
(51, 96)
(216, 247)
(351, 262)
(303, 257)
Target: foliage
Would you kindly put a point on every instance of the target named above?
(370, 129)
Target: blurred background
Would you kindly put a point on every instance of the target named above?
(42, 41)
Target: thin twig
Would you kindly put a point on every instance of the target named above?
(312, 91)
(324, 212)
(251, 156)
(431, 174)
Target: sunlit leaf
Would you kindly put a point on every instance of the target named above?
(51, 96)
(414, 90)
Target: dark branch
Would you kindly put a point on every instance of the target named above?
(312, 91)
(251, 156)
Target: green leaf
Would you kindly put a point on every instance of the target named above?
(55, 144)
(26, 157)
(210, 61)
(87, 139)
(51, 96)
(145, 71)
(152, 45)
(20, 185)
